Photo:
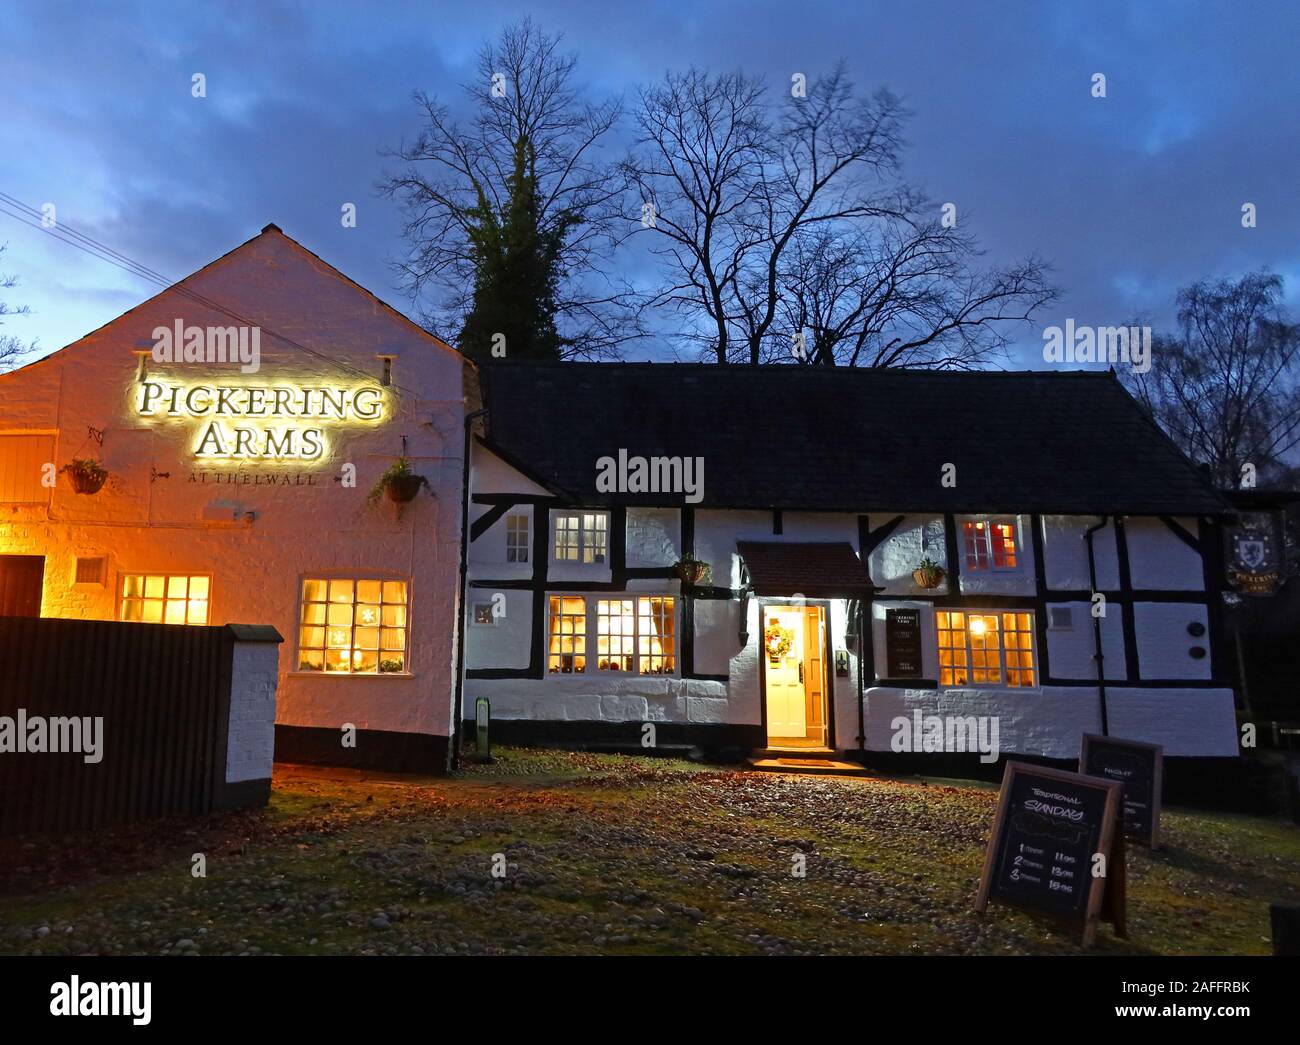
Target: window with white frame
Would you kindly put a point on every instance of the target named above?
(581, 537)
(990, 544)
(353, 625)
(656, 636)
(616, 635)
(630, 634)
(164, 598)
(567, 653)
(517, 537)
(985, 648)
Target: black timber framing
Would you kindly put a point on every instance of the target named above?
(868, 539)
(540, 583)
(1132, 669)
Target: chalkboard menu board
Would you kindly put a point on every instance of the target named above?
(1139, 768)
(1049, 826)
(903, 643)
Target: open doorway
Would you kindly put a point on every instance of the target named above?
(795, 675)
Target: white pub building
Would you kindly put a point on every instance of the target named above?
(237, 491)
(727, 559)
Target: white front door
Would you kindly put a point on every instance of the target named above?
(783, 655)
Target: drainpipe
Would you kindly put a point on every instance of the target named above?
(453, 740)
(862, 696)
(1098, 656)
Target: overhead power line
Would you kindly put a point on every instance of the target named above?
(65, 233)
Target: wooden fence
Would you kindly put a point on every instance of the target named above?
(162, 693)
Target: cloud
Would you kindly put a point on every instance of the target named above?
(1130, 196)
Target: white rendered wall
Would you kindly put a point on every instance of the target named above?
(893, 560)
(250, 743)
(1070, 652)
(1158, 559)
(1164, 642)
(1065, 553)
(1051, 722)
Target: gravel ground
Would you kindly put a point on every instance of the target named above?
(564, 853)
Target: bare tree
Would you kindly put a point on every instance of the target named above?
(12, 349)
(1226, 386)
(773, 221)
(904, 293)
(524, 93)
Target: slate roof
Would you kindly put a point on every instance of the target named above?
(819, 570)
(834, 439)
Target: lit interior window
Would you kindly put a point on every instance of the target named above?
(990, 545)
(615, 635)
(985, 649)
(656, 636)
(568, 647)
(1003, 537)
(354, 626)
(158, 598)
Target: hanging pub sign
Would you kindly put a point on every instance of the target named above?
(1057, 848)
(1254, 553)
(1139, 769)
(903, 643)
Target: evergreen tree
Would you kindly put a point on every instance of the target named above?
(517, 269)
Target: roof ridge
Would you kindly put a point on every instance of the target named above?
(781, 368)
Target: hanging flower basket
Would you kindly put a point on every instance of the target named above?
(398, 483)
(88, 475)
(401, 489)
(693, 571)
(928, 574)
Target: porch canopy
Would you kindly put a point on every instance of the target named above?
(816, 570)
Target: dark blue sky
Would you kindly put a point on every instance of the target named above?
(1129, 197)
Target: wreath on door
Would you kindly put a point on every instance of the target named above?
(777, 641)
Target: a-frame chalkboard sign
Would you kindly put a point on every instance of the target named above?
(1139, 767)
(1049, 826)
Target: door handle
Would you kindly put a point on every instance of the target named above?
(800, 671)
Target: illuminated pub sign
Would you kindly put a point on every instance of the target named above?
(261, 422)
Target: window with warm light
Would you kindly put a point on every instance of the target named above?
(990, 544)
(615, 635)
(568, 647)
(354, 626)
(581, 537)
(164, 598)
(630, 634)
(978, 648)
(656, 636)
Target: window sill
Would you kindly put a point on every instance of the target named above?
(604, 675)
(351, 675)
